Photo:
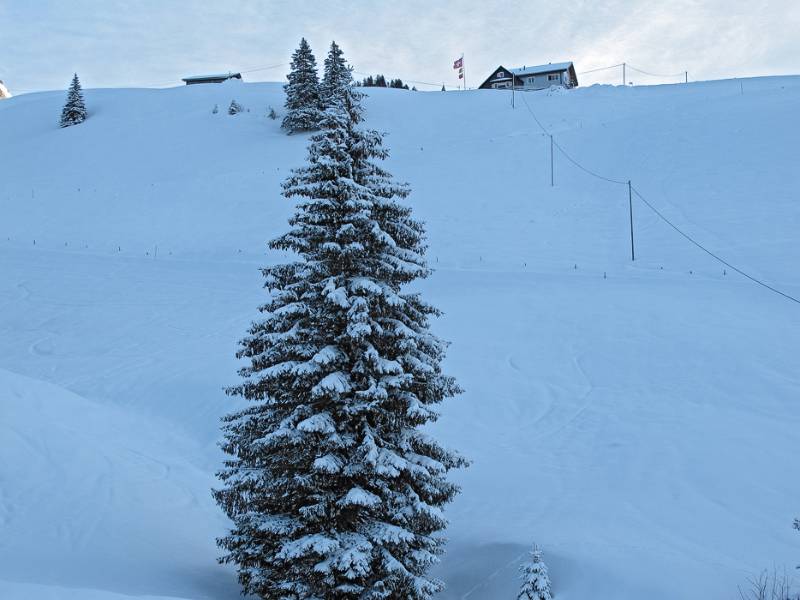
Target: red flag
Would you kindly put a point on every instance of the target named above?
(458, 63)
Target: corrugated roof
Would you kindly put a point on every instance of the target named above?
(548, 68)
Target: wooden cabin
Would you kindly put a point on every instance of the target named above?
(539, 77)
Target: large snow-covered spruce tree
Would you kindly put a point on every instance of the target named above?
(74, 111)
(302, 91)
(333, 490)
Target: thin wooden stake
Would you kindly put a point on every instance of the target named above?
(630, 211)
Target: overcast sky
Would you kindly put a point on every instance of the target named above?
(156, 42)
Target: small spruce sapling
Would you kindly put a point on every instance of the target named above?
(74, 111)
(535, 580)
(272, 114)
(797, 526)
(215, 110)
(235, 108)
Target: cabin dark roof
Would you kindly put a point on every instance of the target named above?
(214, 78)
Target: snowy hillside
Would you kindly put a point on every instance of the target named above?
(639, 421)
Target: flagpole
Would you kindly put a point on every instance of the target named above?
(465, 71)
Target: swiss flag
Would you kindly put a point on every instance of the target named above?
(457, 64)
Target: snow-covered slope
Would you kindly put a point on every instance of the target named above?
(640, 421)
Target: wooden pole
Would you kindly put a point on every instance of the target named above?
(686, 76)
(623, 73)
(630, 212)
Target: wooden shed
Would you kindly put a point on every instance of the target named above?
(219, 78)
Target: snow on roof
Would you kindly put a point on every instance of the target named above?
(548, 68)
(214, 76)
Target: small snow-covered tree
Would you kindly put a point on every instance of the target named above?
(333, 490)
(337, 77)
(74, 111)
(235, 108)
(797, 526)
(535, 580)
(302, 91)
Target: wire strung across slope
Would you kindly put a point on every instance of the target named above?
(564, 152)
(584, 169)
(709, 252)
(535, 118)
(632, 68)
(600, 69)
(267, 68)
(658, 213)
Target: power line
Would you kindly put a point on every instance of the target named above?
(535, 118)
(599, 69)
(267, 68)
(658, 213)
(632, 68)
(564, 152)
(584, 169)
(710, 253)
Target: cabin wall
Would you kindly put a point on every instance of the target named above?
(542, 81)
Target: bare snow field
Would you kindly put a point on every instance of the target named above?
(639, 421)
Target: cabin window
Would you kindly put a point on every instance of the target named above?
(552, 77)
(531, 80)
(500, 74)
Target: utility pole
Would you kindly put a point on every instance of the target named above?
(686, 76)
(630, 212)
(552, 178)
(623, 73)
(512, 90)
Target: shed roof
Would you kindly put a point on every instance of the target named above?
(213, 76)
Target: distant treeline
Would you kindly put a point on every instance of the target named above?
(380, 81)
